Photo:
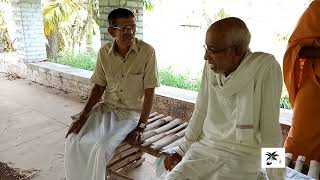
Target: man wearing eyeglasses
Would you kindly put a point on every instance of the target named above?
(126, 73)
(236, 112)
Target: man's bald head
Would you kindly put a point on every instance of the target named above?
(232, 31)
(227, 43)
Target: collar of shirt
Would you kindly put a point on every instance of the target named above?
(224, 79)
(132, 47)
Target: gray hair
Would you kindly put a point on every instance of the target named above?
(234, 31)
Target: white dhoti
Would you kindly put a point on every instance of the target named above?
(88, 152)
(201, 163)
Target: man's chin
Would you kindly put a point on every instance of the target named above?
(129, 41)
(216, 71)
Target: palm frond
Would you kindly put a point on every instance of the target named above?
(148, 5)
(57, 12)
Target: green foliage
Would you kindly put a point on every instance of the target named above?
(6, 44)
(72, 20)
(169, 78)
(85, 61)
(284, 102)
(56, 12)
(221, 14)
(147, 5)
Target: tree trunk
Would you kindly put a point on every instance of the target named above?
(52, 46)
(89, 34)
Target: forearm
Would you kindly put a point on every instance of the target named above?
(309, 52)
(193, 133)
(95, 95)
(147, 105)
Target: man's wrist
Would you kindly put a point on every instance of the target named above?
(84, 114)
(142, 125)
(140, 129)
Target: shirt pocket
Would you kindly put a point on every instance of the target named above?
(244, 133)
(133, 85)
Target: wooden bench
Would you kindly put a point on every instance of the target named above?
(162, 132)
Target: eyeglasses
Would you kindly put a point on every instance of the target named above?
(125, 28)
(212, 51)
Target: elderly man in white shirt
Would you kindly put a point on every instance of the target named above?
(236, 113)
(126, 73)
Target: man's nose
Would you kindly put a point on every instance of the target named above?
(130, 30)
(206, 57)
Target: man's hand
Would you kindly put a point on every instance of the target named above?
(94, 98)
(77, 125)
(171, 160)
(134, 137)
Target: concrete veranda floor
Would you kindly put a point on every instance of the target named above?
(33, 122)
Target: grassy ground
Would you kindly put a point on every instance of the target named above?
(167, 76)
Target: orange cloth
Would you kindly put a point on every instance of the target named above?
(302, 78)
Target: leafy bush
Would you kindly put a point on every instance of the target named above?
(170, 78)
(284, 102)
(85, 61)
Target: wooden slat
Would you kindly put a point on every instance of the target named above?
(153, 139)
(126, 161)
(181, 133)
(132, 165)
(174, 144)
(122, 154)
(148, 134)
(113, 175)
(159, 123)
(155, 118)
(164, 142)
(178, 128)
(153, 114)
(168, 126)
(167, 140)
(122, 148)
(122, 144)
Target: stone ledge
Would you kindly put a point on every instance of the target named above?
(62, 70)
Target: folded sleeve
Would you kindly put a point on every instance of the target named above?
(151, 77)
(99, 76)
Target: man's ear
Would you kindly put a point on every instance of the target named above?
(111, 32)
